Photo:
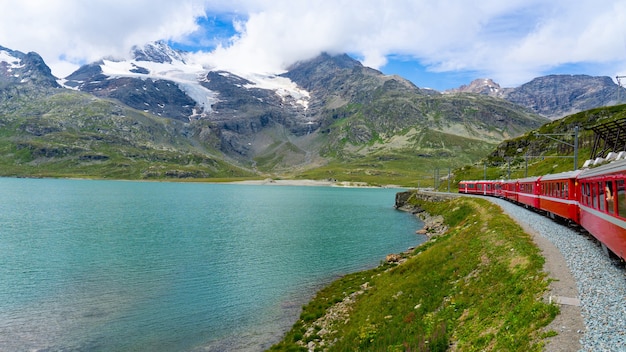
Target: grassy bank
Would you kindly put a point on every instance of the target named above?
(477, 287)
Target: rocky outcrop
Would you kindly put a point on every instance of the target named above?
(403, 199)
(338, 313)
(433, 225)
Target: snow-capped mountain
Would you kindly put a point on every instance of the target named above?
(159, 80)
(330, 106)
(157, 52)
(19, 68)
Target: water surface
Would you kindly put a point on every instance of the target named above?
(111, 266)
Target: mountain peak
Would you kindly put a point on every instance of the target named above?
(484, 86)
(157, 51)
(19, 68)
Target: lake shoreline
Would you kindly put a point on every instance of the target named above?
(307, 182)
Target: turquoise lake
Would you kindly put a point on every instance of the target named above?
(147, 266)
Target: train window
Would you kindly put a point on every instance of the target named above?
(608, 194)
(587, 194)
(601, 197)
(549, 189)
(557, 189)
(565, 190)
(621, 198)
(583, 195)
(594, 195)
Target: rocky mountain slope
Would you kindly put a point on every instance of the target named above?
(47, 130)
(118, 112)
(280, 121)
(19, 68)
(554, 96)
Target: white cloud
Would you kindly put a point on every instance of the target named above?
(510, 41)
(71, 32)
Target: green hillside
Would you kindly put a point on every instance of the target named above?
(62, 133)
(535, 154)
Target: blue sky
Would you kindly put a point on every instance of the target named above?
(439, 44)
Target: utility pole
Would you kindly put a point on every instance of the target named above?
(575, 145)
(526, 159)
(508, 161)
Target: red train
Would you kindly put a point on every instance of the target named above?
(594, 198)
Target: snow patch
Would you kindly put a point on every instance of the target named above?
(284, 87)
(184, 75)
(11, 60)
(188, 76)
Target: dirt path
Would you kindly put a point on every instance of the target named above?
(569, 323)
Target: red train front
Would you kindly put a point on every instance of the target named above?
(602, 205)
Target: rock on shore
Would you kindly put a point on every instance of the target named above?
(433, 225)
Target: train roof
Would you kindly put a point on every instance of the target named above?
(475, 181)
(528, 179)
(561, 175)
(612, 167)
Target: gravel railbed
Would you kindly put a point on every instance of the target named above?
(601, 281)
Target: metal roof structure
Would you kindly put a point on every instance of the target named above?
(609, 137)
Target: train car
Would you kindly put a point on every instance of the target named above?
(528, 191)
(498, 191)
(467, 186)
(488, 187)
(559, 195)
(481, 187)
(509, 190)
(602, 205)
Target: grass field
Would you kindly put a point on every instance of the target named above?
(478, 287)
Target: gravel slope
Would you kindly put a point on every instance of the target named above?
(599, 284)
